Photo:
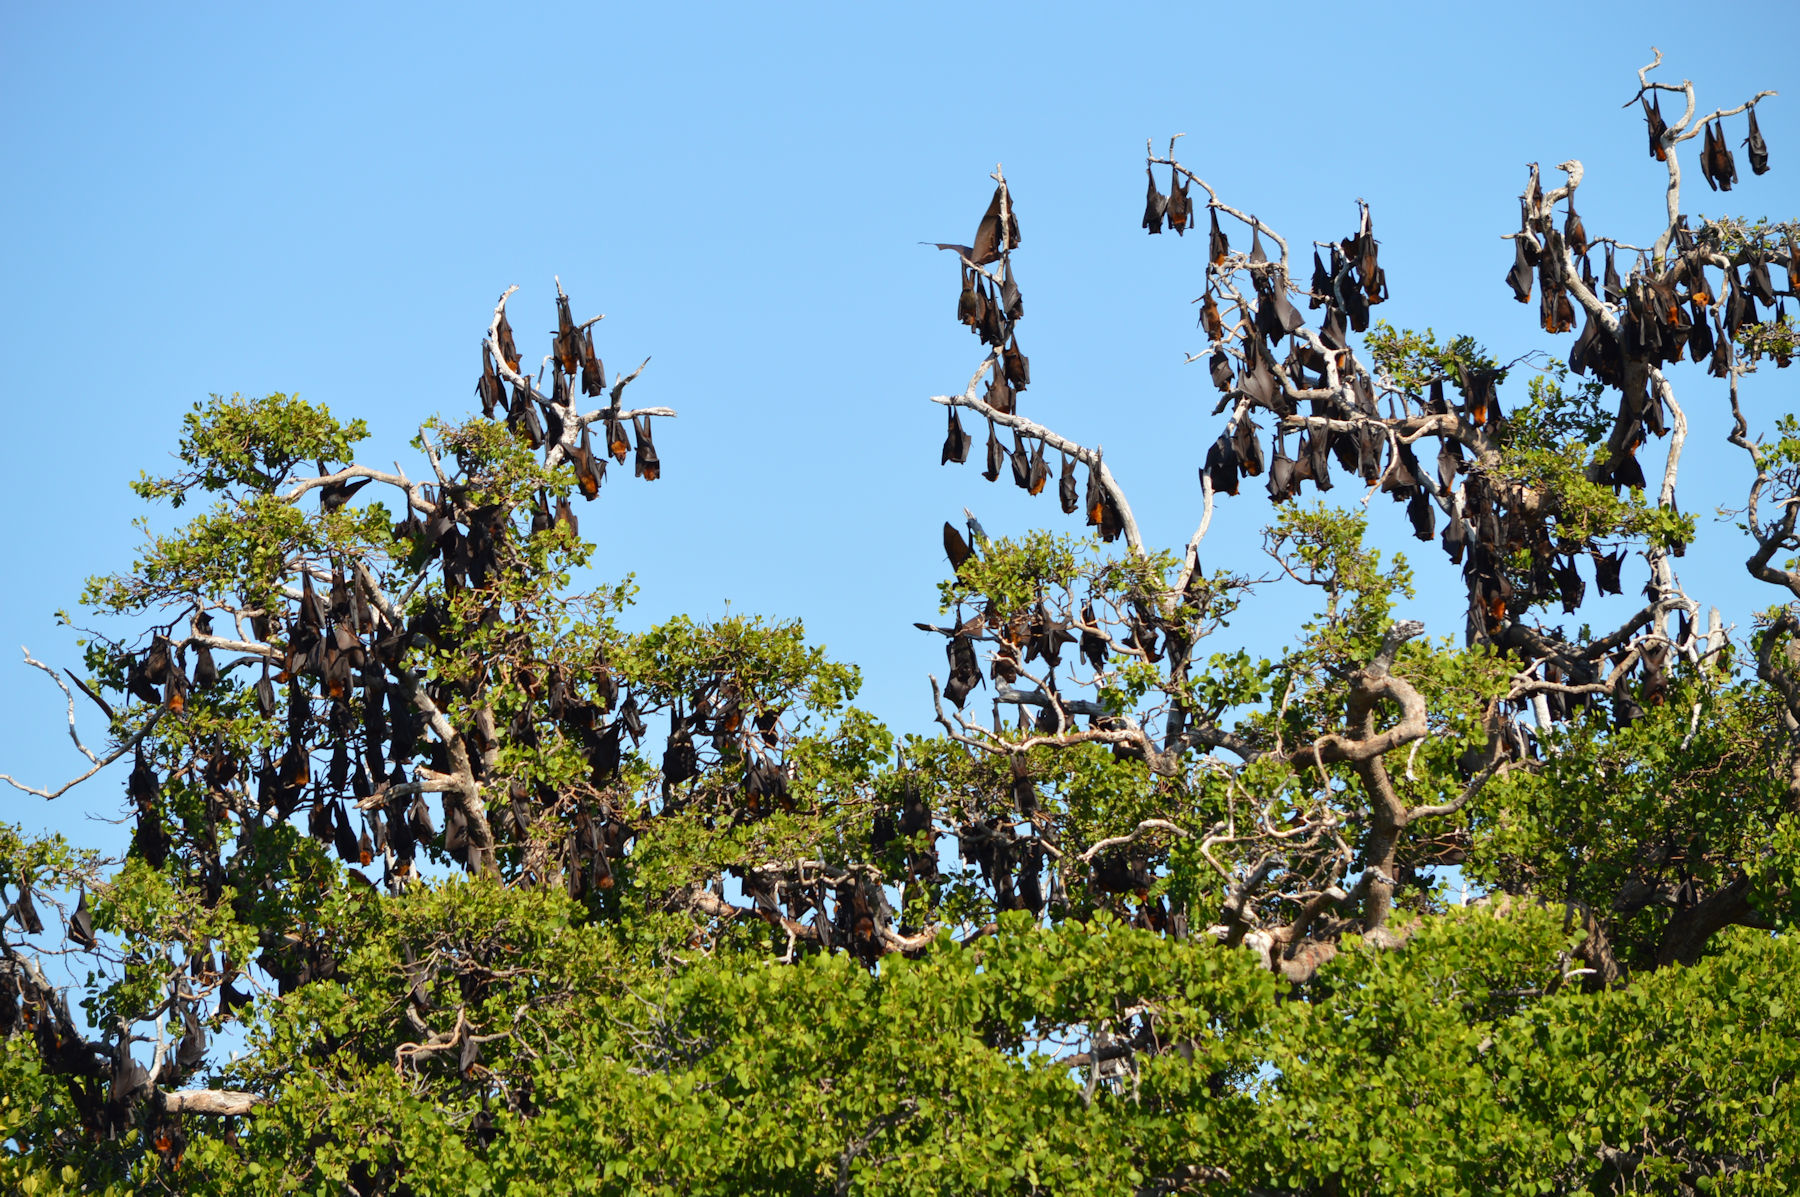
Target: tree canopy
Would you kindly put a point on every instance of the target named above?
(445, 877)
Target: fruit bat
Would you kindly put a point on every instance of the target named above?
(1011, 302)
(1282, 483)
(1248, 448)
(568, 346)
(1569, 585)
(1423, 514)
(509, 352)
(956, 548)
(1716, 162)
(25, 912)
(1700, 337)
(1759, 149)
(487, 387)
(966, 309)
(956, 441)
(587, 469)
(343, 839)
(1320, 287)
(1757, 281)
(1655, 125)
(1065, 487)
(1222, 465)
(965, 672)
(1519, 277)
(81, 923)
(1449, 461)
(1209, 317)
(1220, 366)
(1021, 463)
(1606, 571)
(1038, 473)
(1181, 208)
(996, 455)
(1218, 245)
(1156, 205)
(647, 466)
(1018, 366)
(999, 394)
(593, 370)
(988, 238)
(1257, 256)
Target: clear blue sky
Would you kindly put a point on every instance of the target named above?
(327, 199)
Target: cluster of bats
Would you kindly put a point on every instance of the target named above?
(992, 307)
(1717, 165)
(543, 420)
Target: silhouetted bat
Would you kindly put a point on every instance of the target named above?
(956, 441)
(956, 548)
(1655, 125)
(1156, 204)
(1519, 277)
(1218, 245)
(1021, 463)
(1038, 473)
(996, 455)
(1758, 148)
(81, 923)
(648, 465)
(593, 370)
(1181, 209)
(1606, 571)
(1065, 487)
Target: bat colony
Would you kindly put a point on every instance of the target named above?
(359, 737)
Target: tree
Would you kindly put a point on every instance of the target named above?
(498, 895)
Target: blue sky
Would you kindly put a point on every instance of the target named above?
(327, 200)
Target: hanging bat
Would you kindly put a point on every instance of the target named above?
(587, 473)
(1156, 205)
(1283, 484)
(956, 548)
(1038, 473)
(1222, 465)
(1758, 148)
(1065, 487)
(81, 923)
(1218, 245)
(593, 370)
(1519, 277)
(1209, 317)
(996, 455)
(617, 443)
(956, 441)
(999, 393)
(1574, 232)
(1181, 208)
(1423, 514)
(1320, 286)
(1654, 124)
(487, 387)
(1248, 448)
(988, 239)
(509, 352)
(568, 343)
(1606, 571)
(1219, 365)
(965, 672)
(647, 466)
(1010, 300)
(1021, 463)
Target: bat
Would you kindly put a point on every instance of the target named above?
(1320, 286)
(1423, 514)
(996, 455)
(1257, 256)
(593, 370)
(1209, 317)
(587, 470)
(1156, 205)
(647, 466)
(1220, 367)
(1519, 277)
(988, 234)
(1758, 148)
(1010, 300)
(509, 352)
(568, 344)
(1248, 448)
(1021, 463)
(965, 672)
(999, 393)
(1181, 208)
(1574, 232)
(1700, 337)
(1283, 484)
(1758, 282)
(617, 443)
(1017, 365)
(1615, 290)
(1065, 487)
(1606, 571)
(1222, 465)
(956, 441)
(1570, 587)
(956, 548)
(1218, 245)
(81, 923)
(1038, 473)
(1655, 125)
(487, 387)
